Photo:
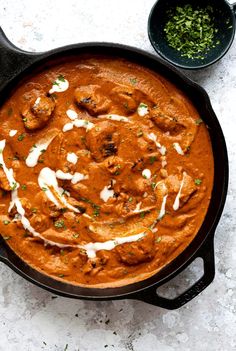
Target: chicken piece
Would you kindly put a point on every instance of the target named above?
(173, 184)
(46, 206)
(142, 250)
(37, 114)
(94, 265)
(124, 97)
(26, 206)
(4, 183)
(103, 140)
(113, 164)
(136, 187)
(40, 222)
(90, 98)
(174, 118)
(170, 186)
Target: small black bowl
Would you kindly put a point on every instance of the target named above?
(224, 19)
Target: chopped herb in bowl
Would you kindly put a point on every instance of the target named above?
(191, 30)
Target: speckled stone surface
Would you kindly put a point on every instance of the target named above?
(31, 319)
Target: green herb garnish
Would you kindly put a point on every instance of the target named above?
(23, 187)
(152, 159)
(14, 186)
(139, 133)
(191, 30)
(21, 137)
(198, 121)
(61, 78)
(44, 189)
(6, 222)
(59, 224)
(133, 81)
(153, 185)
(198, 181)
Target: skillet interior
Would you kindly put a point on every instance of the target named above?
(201, 101)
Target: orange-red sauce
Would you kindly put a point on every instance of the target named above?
(102, 151)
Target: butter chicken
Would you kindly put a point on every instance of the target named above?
(106, 171)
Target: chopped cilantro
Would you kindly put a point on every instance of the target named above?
(191, 30)
(21, 137)
(152, 159)
(139, 133)
(153, 185)
(60, 224)
(198, 181)
(130, 199)
(143, 106)
(44, 189)
(133, 81)
(23, 187)
(61, 78)
(61, 275)
(198, 121)
(34, 210)
(6, 222)
(75, 235)
(13, 186)
(96, 212)
(158, 239)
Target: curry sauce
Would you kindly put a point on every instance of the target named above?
(106, 171)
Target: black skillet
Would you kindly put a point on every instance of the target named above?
(15, 64)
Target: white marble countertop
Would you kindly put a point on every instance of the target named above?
(30, 318)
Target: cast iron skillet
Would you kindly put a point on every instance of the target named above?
(16, 63)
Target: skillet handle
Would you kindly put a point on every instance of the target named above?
(12, 59)
(207, 254)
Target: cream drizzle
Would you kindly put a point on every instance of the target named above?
(161, 148)
(176, 202)
(178, 148)
(78, 123)
(37, 101)
(142, 109)
(75, 178)
(146, 173)
(114, 117)
(72, 157)
(71, 114)
(91, 248)
(36, 151)
(12, 132)
(59, 86)
(48, 182)
(47, 178)
(163, 208)
(106, 193)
